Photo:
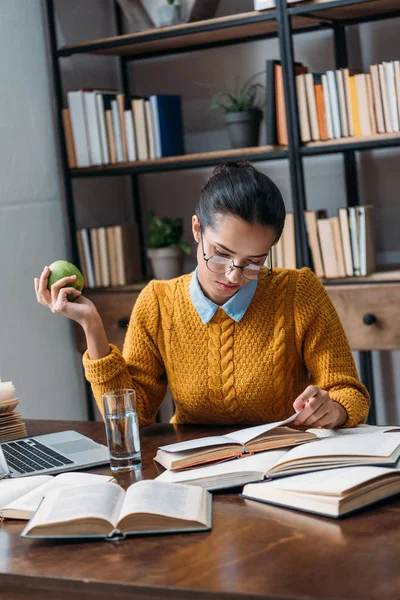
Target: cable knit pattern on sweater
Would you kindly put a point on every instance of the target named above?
(227, 372)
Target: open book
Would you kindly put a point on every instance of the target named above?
(187, 454)
(20, 498)
(223, 475)
(340, 451)
(332, 493)
(107, 511)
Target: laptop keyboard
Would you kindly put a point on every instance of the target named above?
(30, 456)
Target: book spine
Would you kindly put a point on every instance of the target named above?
(103, 129)
(334, 102)
(355, 249)
(327, 107)
(93, 128)
(312, 106)
(117, 131)
(305, 132)
(69, 138)
(130, 136)
(78, 125)
(156, 126)
(91, 282)
(385, 99)
(376, 88)
(391, 92)
(342, 103)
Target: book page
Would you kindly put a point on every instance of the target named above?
(12, 489)
(254, 463)
(332, 481)
(245, 435)
(155, 497)
(83, 502)
(215, 440)
(31, 500)
(324, 433)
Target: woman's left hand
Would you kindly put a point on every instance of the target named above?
(319, 410)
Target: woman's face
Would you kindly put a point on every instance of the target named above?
(235, 239)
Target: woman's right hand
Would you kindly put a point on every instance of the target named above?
(82, 310)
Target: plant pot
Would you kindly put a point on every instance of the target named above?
(168, 14)
(166, 263)
(244, 127)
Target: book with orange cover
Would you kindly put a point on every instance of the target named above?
(319, 99)
(281, 122)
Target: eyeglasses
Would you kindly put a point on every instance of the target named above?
(222, 265)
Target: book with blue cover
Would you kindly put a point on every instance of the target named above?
(167, 119)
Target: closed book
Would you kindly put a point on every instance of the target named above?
(117, 131)
(149, 129)
(327, 107)
(391, 94)
(345, 232)
(110, 136)
(103, 129)
(311, 218)
(310, 79)
(377, 93)
(130, 136)
(366, 233)
(363, 108)
(81, 254)
(337, 236)
(121, 109)
(385, 99)
(108, 511)
(328, 248)
(342, 103)
(319, 99)
(334, 493)
(93, 128)
(334, 104)
(355, 242)
(347, 95)
(354, 106)
(372, 118)
(139, 119)
(69, 138)
(304, 120)
(168, 119)
(396, 64)
(239, 443)
(112, 256)
(127, 253)
(78, 125)
(289, 243)
(87, 251)
(96, 257)
(104, 259)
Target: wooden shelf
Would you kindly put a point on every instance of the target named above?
(382, 140)
(347, 10)
(189, 36)
(388, 274)
(187, 161)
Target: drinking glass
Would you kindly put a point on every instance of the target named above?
(122, 428)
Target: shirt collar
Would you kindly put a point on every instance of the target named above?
(235, 307)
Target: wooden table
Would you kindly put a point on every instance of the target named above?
(253, 551)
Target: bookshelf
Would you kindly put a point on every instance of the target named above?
(367, 320)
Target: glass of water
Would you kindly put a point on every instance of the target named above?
(122, 428)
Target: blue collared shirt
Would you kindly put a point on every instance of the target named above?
(235, 307)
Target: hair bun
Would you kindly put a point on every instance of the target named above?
(231, 165)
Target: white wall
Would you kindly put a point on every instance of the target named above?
(36, 349)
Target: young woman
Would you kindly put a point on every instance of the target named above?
(236, 342)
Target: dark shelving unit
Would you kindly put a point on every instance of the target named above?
(283, 23)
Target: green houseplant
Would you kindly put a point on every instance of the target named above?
(165, 249)
(242, 112)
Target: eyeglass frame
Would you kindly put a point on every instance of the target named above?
(269, 268)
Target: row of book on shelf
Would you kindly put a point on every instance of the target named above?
(104, 127)
(340, 103)
(340, 246)
(109, 256)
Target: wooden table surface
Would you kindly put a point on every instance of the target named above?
(253, 551)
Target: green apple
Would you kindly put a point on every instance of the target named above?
(63, 268)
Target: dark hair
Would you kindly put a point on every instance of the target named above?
(239, 190)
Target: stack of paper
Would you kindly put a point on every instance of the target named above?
(11, 425)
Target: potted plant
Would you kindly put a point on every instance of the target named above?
(169, 14)
(164, 247)
(241, 108)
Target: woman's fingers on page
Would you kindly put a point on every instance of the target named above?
(318, 414)
(326, 421)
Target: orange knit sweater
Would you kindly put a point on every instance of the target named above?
(231, 373)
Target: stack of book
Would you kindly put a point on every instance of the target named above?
(11, 424)
(345, 103)
(284, 252)
(108, 128)
(342, 246)
(109, 256)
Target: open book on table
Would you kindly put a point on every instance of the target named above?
(188, 454)
(20, 498)
(107, 511)
(340, 451)
(332, 493)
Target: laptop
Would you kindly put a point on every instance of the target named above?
(50, 453)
